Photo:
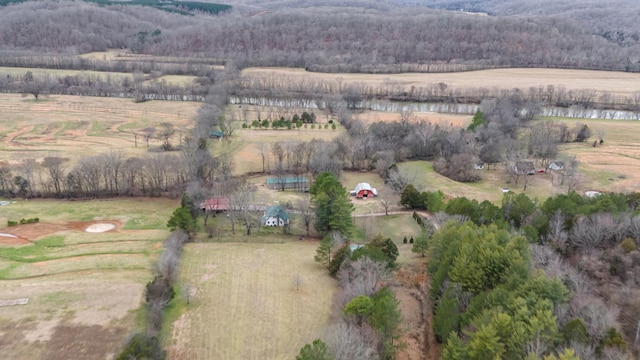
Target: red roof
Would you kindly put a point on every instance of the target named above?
(216, 204)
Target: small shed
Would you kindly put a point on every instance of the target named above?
(215, 205)
(364, 190)
(289, 182)
(275, 216)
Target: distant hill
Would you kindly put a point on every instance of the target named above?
(617, 21)
(180, 7)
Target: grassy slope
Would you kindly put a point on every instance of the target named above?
(77, 279)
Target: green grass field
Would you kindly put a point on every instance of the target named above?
(244, 302)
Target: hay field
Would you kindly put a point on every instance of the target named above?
(73, 126)
(180, 80)
(83, 289)
(244, 303)
(613, 165)
(617, 83)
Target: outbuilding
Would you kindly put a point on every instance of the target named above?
(275, 216)
(364, 190)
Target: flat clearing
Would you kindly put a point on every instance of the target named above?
(617, 83)
(73, 126)
(244, 303)
(488, 188)
(613, 165)
(180, 80)
(84, 289)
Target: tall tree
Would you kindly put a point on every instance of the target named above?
(333, 208)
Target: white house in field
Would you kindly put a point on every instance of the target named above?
(274, 216)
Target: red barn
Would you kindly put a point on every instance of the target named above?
(215, 205)
(364, 190)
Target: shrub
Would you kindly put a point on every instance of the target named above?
(628, 245)
(11, 223)
(143, 346)
(405, 239)
(411, 240)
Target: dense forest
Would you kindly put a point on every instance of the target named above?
(365, 37)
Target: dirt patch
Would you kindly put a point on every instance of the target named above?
(12, 240)
(30, 232)
(84, 342)
(411, 289)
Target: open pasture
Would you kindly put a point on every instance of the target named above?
(245, 303)
(73, 126)
(617, 83)
(488, 188)
(39, 73)
(250, 145)
(83, 289)
(613, 165)
(457, 120)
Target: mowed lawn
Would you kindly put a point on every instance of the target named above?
(244, 302)
(83, 289)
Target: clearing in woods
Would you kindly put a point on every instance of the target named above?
(245, 302)
(84, 289)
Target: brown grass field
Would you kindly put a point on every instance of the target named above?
(617, 83)
(84, 289)
(180, 80)
(72, 126)
(245, 304)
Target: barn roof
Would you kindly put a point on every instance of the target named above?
(216, 204)
(287, 180)
(365, 186)
(275, 211)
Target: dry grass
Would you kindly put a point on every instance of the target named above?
(618, 83)
(612, 166)
(247, 145)
(457, 120)
(488, 188)
(179, 80)
(73, 126)
(244, 302)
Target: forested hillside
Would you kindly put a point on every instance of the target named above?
(363, 37)
(616, 21)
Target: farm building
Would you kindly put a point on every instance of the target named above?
(556, 165)
(215, 205)
(364, 190)
(525, 168)
(291, 182)
(274, 216)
